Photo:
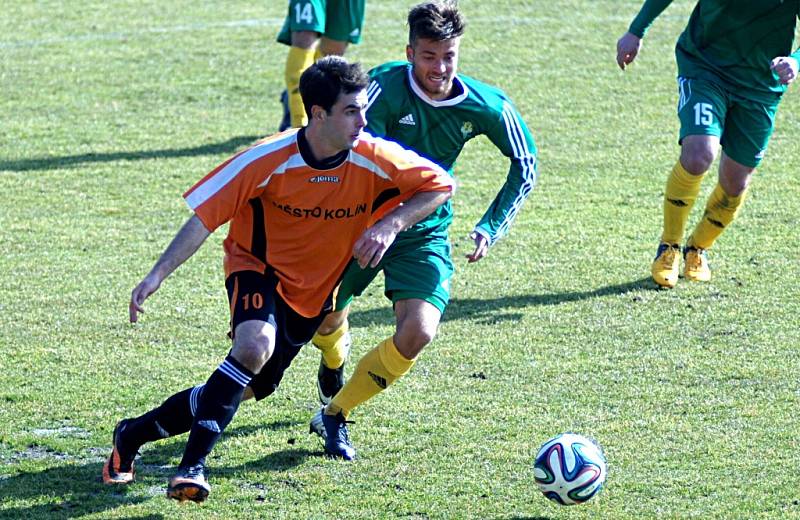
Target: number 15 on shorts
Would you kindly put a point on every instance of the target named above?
(703, 114)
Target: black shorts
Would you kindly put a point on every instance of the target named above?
(254, 296)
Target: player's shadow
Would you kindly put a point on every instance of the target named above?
(69, 161)
(63, 491)
(495, 310)
(156, 456)
(71, 490)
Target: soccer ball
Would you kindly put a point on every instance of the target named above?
(570, 469)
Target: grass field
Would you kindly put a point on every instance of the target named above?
(109, 110)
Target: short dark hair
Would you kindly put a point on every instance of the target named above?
(438, 20)
(323, 82)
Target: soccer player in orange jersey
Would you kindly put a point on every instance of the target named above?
(300, 204)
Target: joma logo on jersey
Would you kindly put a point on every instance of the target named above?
(324, 178)
(466, 129)
(323, 213)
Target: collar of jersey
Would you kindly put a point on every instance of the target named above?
(328, 163)
(436, 103)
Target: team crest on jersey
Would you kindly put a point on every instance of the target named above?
(324, 178)
(466, 129)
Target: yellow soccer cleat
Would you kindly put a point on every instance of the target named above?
(695, 264)
(666, 265)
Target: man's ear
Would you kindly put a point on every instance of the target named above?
(318, 113)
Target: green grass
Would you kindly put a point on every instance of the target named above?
(111, 109)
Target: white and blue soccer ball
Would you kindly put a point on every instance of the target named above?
(570, 469)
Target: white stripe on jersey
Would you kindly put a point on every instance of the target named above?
(219, 180)
(295, 161)
(359, 160)
(528, 162)
(373, 91)
(410, 156)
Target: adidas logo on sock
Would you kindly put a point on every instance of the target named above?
(407, 120)
(210, 425)
(381, 382)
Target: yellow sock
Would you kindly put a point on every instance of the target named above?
(378, 369)
(318, 55)
(297, 61)
(332, 346)
(679, 196)
(721, 209)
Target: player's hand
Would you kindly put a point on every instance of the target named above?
(786, 69)
(140, 293)
(373, 243)
(481, 247)
(627, 49)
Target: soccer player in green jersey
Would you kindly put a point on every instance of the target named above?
(313, 29)
(425, 105)
(735, 61)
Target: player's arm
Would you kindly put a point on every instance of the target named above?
(215, 200)
(373, 243)
(630, 43)
(186, 242)
(512, 137)
(413, 187)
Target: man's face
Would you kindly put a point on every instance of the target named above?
(434, 63)
(347, 118)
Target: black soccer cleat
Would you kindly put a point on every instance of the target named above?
(189, 484)
(331, 380)
(118, 469)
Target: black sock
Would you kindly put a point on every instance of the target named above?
(216, 407)
(173, 417)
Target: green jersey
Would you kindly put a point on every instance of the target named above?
(732, 42)
(400, 110)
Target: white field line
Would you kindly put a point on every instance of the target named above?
(267, 22)
(497, 21)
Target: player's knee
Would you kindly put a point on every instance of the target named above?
(253, 354)
(253, 344)
(734, 187)
(697, 158)
(304, 39)
(410, 340)
(734, 177)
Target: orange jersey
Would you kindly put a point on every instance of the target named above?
(301, 221)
